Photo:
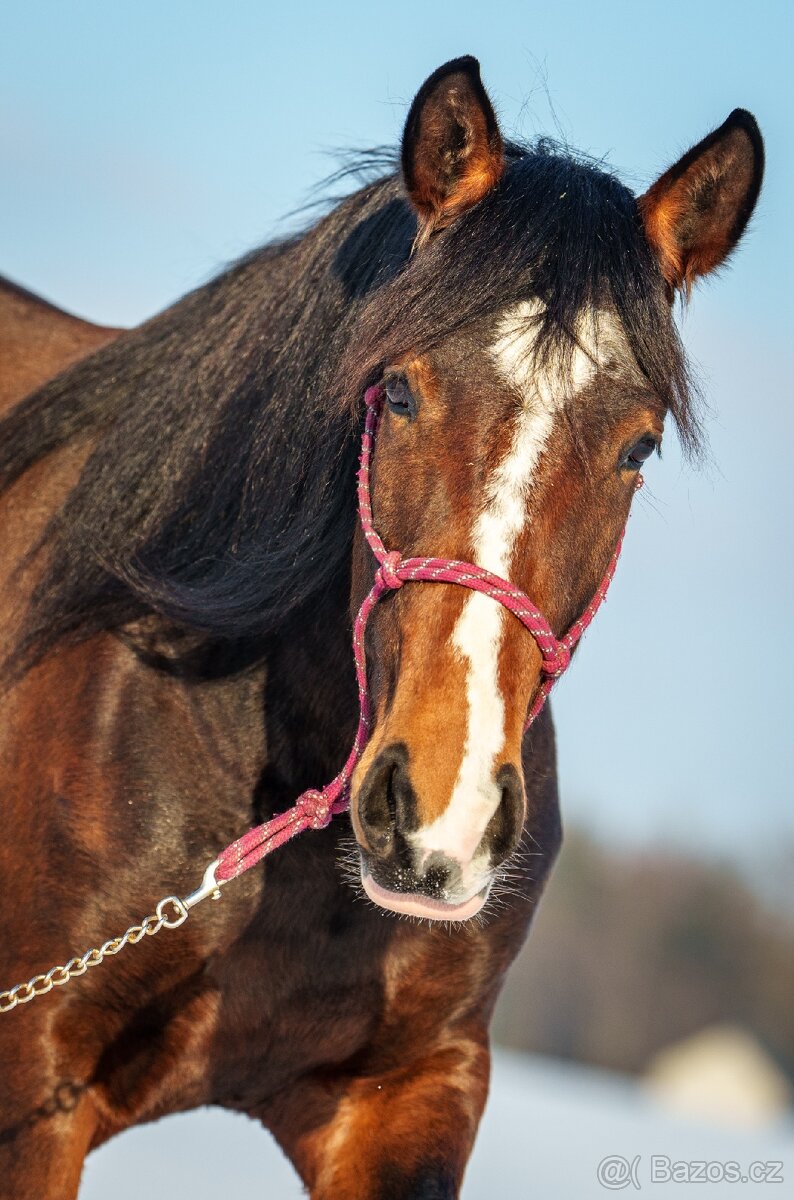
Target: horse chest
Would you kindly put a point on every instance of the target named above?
(320, 983)
(303, 987)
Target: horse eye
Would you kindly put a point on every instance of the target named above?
(639, 453)
(399, 397)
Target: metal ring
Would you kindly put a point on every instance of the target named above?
(181, 911)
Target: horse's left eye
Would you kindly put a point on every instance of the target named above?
(399, 397)
(639, 453)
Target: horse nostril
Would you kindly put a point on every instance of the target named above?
(392, 789)
(504, 828)
(375, 812)
(386, 803)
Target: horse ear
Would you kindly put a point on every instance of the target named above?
(452, 152)
(695, 214)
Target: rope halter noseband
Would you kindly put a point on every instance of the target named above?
(315, 809)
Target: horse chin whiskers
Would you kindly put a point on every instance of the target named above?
(348, 861)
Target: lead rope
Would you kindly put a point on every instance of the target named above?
(315, 809)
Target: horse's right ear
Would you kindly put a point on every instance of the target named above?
(695, 214)
(452, 152)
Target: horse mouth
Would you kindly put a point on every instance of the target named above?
(413, 904)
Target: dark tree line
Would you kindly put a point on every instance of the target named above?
(631, 951)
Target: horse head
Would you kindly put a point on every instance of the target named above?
(513, 441)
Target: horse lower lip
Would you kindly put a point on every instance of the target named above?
(414, 905)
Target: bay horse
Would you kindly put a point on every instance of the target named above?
(182, 562)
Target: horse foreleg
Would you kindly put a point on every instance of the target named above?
(402, 1134)
(43, 1145)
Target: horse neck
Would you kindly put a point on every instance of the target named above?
(310, 691)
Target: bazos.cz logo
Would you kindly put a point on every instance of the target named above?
(616, 1172)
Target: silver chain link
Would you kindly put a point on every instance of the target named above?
(170, 913)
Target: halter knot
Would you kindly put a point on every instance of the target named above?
(389, 568)
(314, 808)
(559, 664)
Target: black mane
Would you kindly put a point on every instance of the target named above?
(219, 492)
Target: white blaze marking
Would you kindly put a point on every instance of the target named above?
(477, 635)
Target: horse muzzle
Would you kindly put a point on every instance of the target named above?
(441, 869)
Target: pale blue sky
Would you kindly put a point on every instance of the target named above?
(143, 146)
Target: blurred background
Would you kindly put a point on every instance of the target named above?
(145, 146)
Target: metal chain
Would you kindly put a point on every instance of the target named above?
(170, 913)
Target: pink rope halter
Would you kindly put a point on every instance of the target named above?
(315, 809)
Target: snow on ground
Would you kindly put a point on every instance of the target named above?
(546, 1129)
